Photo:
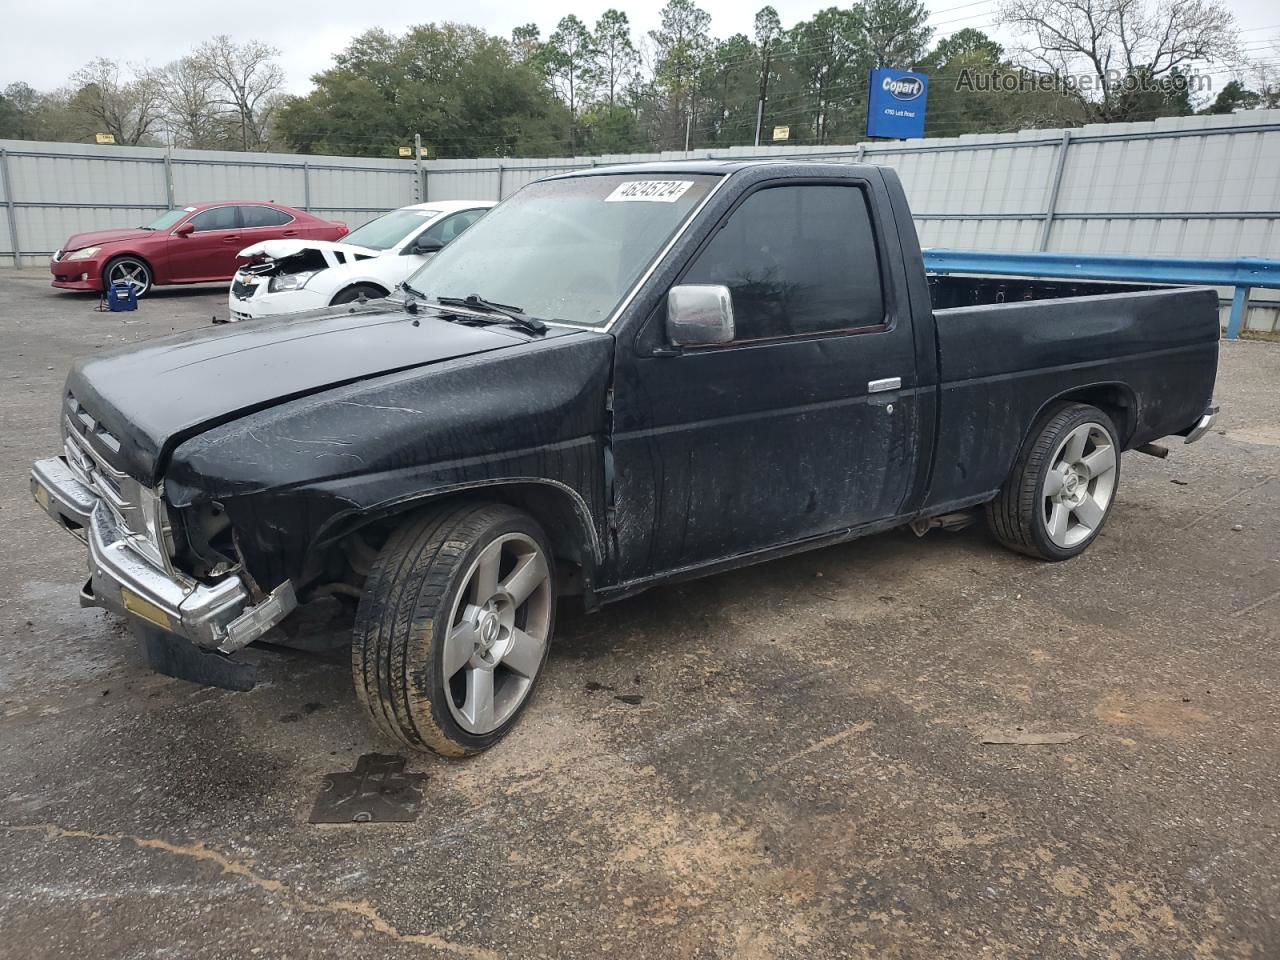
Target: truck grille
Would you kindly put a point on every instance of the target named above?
(76, 414)
(136, 508)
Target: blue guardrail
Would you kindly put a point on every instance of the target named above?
(1242, 273)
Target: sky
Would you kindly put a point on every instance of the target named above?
(55, 37)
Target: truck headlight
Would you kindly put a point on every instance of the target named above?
(290, 281)
(84, 253)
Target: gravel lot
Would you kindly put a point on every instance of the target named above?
(804, 775)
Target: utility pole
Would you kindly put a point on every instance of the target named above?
(417, 166)
(764, 91)
(688, 128)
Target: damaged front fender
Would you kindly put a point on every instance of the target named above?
(528, 421)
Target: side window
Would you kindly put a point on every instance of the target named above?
(219, 218)
(450, 227)
(797, 260)
(263, 217)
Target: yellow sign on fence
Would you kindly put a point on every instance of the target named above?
(105, 137)
(782, 133)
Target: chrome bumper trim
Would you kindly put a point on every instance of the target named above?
(68, 501)
(255, 621)
(1204, 424)
(213, 616)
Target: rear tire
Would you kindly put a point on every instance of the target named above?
(454, 627)
(1062, 486)
(132, 270)
(352, 294)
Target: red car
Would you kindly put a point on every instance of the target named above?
(195, 244)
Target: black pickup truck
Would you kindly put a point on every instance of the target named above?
(617, 378)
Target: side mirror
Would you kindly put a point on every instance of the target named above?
(699, 314)
(428, 246)
(186, 230)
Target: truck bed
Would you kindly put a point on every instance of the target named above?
(1001, 363)
(950, 291)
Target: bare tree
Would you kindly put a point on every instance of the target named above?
(1100, 50)
(192, 112)
(1265, 78)
(247, 81)
(126, 107)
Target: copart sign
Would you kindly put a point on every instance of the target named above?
(895, 107)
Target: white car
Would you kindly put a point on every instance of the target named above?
(293, 276)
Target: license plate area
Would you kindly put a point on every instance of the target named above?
(143, 608)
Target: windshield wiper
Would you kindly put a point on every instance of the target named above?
(411, 295)
(411, 291)
(513, 315)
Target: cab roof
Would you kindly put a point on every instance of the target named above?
(449, 206)
(720, 167)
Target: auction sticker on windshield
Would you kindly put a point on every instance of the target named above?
(652, 191)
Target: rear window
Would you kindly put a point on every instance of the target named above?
(263, 217)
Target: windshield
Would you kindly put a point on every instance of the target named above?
(566, 249)
(167, 219)
(384, 232)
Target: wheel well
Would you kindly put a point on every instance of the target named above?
(1116, 400)
(130, 256)
(562, 517)
(356, 286)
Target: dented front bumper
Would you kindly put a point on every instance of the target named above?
(215, 616)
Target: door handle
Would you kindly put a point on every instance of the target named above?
(880, 386)
(231, 239)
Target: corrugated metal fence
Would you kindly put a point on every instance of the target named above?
(1181, 187)
(51, 190)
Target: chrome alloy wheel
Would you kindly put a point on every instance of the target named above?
(498, 632)
(132, 272)
(1079, 485)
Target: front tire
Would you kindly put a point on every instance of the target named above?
(454, 627)
(352, 294)
(1062, 486)
(131, 270)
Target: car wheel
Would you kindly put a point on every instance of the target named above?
(352, 294)
(1062, 486)
(454, 626)
(130, 270)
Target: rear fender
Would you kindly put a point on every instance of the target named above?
(1112, 397)
(1115, 398)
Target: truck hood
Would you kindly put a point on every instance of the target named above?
(279, 249)
(134, 405)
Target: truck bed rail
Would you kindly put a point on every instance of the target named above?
(1241, 273)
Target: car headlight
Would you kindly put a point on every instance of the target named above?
(84, 253)
(290, 281)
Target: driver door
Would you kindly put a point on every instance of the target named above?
(805, 425)
(209, 251)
